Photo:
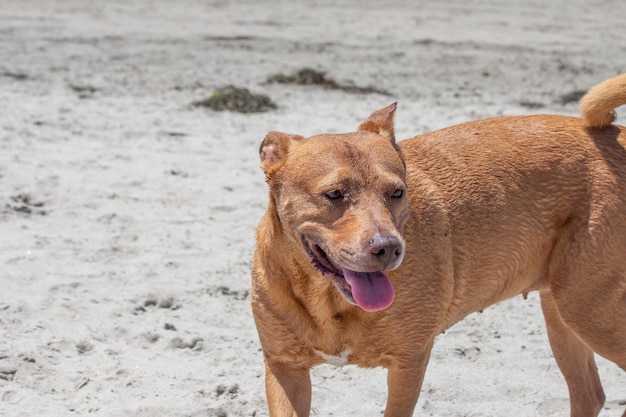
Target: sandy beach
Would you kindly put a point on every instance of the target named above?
(127, 214)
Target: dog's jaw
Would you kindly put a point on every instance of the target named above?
(328, 268)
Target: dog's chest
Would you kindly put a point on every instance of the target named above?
(348, 340)
(341, 360)
(367, 357)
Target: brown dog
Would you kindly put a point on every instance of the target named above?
(369, 249)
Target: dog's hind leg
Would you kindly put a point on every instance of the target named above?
(576, 361)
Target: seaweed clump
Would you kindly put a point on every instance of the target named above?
(310, 76)
(235, 99)
(305, 76)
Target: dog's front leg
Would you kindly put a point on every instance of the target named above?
(404, 382)
(288, 390)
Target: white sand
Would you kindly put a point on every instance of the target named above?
(124, 291)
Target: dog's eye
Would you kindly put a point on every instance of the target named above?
(334, 195)
(397, 193)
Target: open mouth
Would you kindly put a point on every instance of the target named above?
(323, 264)
(372, 291)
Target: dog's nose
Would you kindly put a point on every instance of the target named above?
(387, 249)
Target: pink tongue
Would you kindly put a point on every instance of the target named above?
(372, 291)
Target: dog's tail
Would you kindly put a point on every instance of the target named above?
(598, 106)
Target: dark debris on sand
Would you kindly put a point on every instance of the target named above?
(236, 99)
(310, 76)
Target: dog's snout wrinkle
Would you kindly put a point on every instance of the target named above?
(347, 252)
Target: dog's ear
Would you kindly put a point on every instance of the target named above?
(381, 122)
(274, 150)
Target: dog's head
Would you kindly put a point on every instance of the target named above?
(341, 198)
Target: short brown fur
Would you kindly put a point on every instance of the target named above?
(476, 213)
